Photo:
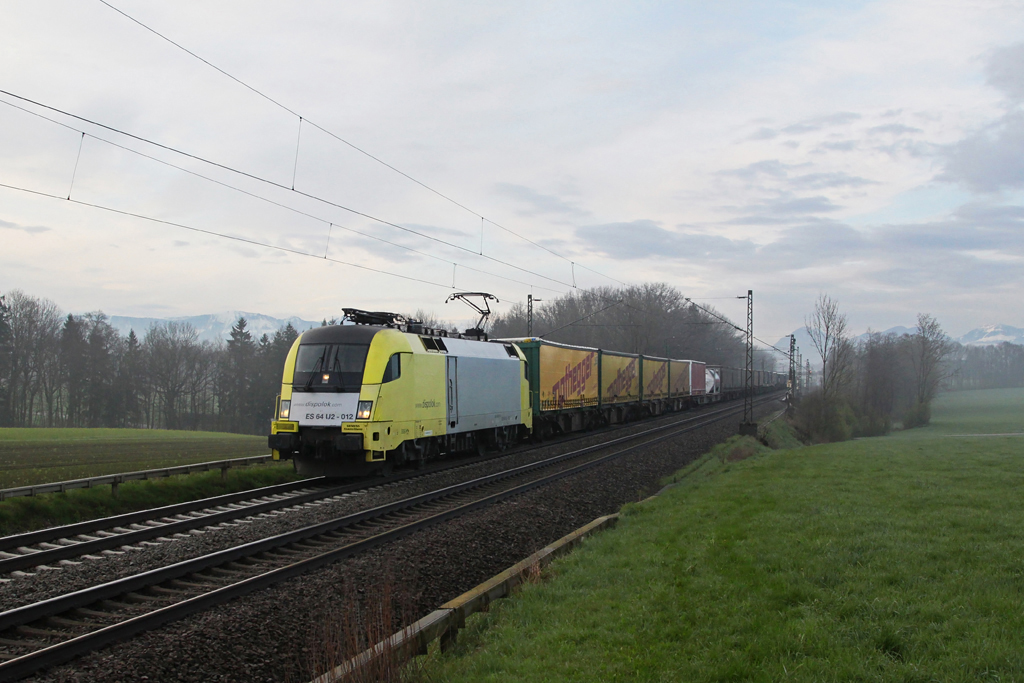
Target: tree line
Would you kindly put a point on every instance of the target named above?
(654, 319)
(867, 387)
(60, 370)
(65, 370)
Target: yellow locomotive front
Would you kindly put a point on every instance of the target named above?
(360, 399)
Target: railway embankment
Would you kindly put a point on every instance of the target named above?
(896, 557)
(281, 633)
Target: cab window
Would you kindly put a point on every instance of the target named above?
(393, 370)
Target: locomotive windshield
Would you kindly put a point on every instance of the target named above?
(330, 367)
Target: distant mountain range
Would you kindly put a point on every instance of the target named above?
(993, 334)
(216, 326)
(982, 336)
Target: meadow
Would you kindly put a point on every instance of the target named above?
(890, 558)
(36, 456)
(39, 455)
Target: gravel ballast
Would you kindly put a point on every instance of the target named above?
(272, 635)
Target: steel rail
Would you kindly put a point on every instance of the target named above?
(54, 654)
(80, 598)
(117, 540)
(139, 475)
(54, 533)
(26, 557)
(29, 557)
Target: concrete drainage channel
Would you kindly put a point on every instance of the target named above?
(140, 602)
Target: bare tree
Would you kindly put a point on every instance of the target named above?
(432, 320)
(929, 351)
(652, 318)
(168, 346)
(827, 328)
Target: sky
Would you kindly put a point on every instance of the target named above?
(870, 151)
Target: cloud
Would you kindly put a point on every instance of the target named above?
(31, 229)
(972, 227)
(955, 251)
(785, 210)
(769, 167)
(843, 146)
(641, 239)
(894, 129)
(991, 159)
(817, 123)
(814, 243)
(537, 203)
(764, 134)
(1005, 70)
(803, 205)
(775, 169)
(819, 181)
(978, 246)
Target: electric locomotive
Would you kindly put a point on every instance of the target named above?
(361, 398)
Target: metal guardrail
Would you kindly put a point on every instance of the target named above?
(114, 479)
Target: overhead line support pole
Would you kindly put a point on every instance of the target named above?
(748, 427)
(792, 367)
(799, 375)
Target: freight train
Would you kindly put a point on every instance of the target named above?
(359, 399)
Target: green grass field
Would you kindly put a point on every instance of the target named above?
(897, 558)
(37, 456)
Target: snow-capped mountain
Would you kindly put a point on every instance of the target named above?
(899, 330)
(993, 334)
(982, 336)
(214, 326)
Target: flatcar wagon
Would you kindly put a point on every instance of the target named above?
(577, 387)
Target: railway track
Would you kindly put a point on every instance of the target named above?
(53, 631)
(96, 539)
(53, 547)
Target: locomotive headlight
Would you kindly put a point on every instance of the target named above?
(286, 407)
(363, 410)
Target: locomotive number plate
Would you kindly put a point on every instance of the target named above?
(323, 410)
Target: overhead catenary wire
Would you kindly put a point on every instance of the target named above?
(716, 315)
(214, 233)
(347, 142)
(286, 188)
(589, 315)
(732, 324)
(266, 199)
(274, 183)
(78, 157)
(298, 141)
(330, 224)
(279, 204)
